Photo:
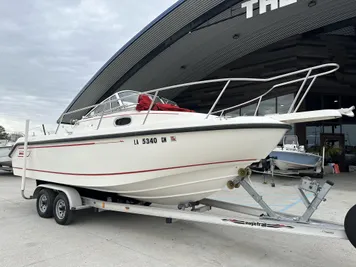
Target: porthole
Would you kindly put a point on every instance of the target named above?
(122, 121)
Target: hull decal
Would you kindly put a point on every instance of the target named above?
(258, 224)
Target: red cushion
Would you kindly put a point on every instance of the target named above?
(144, 102)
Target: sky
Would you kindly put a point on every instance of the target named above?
(50, 49)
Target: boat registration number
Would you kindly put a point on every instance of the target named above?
(154, 140)
(145, 141)
(149, 140)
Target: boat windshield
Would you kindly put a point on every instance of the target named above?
(128, 97)
(98, 110)
(122, 100)
(290, 140)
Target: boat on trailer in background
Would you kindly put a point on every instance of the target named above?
(290, 160)
(135, 149)
(5, 148)
(292, 156)
(5, 160)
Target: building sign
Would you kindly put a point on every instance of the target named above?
(263, 4)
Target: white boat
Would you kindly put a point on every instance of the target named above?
(177, 157)
(153, 151)
(5, 148)
(292, 156)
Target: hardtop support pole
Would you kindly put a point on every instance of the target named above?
(23, 181)
(217, 99)
(299, 91)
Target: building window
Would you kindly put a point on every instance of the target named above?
(248, 110)
(313, 102)
(284, 102)
(313, 135)
(267, 107)
(291, 131)
(328, 129)
(234, 113)
(349, 131)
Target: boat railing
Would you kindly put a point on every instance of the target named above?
(323, 69)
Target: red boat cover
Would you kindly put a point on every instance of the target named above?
(144, 102)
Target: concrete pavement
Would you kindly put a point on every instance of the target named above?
(116, 239)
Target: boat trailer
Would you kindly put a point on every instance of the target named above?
(61, 202)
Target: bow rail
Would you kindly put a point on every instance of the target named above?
(324, 69)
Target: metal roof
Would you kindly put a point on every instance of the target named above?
(194, 38)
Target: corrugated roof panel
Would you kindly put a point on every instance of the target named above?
(208, 49)
(297, 20)
(349, 31)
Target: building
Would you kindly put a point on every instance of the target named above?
(200, 39)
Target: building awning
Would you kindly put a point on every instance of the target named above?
(195, 38)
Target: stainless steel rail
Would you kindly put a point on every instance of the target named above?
(323, 69)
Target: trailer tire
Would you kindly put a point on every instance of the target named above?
(349, 224)
(44, 203)
(62, 213)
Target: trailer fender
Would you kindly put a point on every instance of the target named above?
(74, 198)
(349, 223)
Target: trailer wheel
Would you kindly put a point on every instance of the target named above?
(61, 210)
(349, 224)
(44, 203)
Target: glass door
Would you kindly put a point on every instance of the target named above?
(334, 149)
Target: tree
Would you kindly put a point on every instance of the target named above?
(3, 134)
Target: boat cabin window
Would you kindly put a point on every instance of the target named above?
(122, 121)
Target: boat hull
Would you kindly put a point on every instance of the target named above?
(288, 160)
(161, 168)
